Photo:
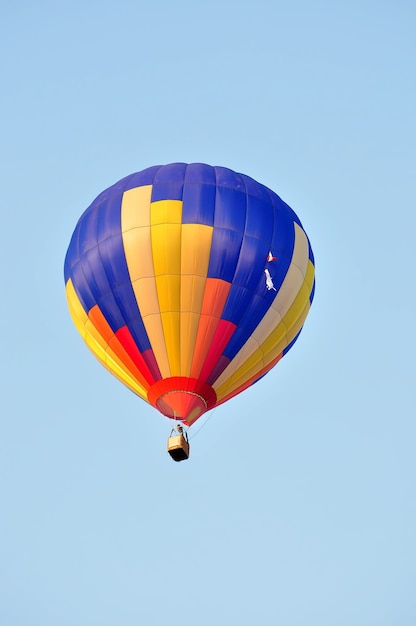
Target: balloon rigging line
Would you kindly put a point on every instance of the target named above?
(204, 424)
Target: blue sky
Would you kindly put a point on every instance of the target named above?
(297, 506)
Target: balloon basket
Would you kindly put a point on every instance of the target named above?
(178, 447)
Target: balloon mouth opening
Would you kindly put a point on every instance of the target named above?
(182, 405)
(181, 398)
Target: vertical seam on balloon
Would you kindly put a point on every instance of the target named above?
(178, 329)
(269, 193)
(80, 256)
(193, 365)
(152, 208)
(181, 281)
(113, 291)
(157, 351)
(130, 215)
(206, 278)
(169, 353)
(82, 269)
(242, 233)
(254, 293)
(241, 244)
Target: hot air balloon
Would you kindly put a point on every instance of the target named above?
(189, 283)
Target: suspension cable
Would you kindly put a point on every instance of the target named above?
(204, 424)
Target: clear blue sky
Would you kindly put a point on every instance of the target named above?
(298, 505)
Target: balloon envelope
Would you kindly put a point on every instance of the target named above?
(189, 283)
